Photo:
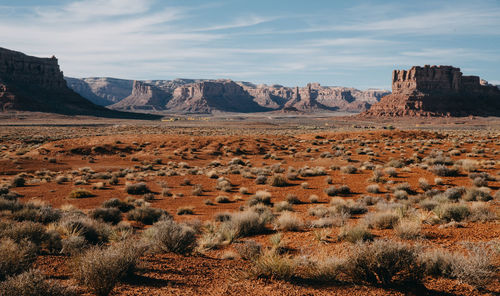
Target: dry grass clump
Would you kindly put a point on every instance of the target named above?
(260, 197)
(354, 234)
(384, 262)
(146, 215)
(278, 180)
(408, 229)
(452, 212)
(80, 193)
(222, 199)
(137, 189)
(373, 188)
(110, 215)
(289, 221)
(333, 190)
(170, 236)
(119, 204)
(188, 210)
(382, 220)
(15, 258)
(444, 171)
(34, 283)
(101, 268)
(249, 250)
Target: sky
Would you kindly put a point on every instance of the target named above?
(287, 42)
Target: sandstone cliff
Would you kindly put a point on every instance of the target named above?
(437, 91)
(37, 84)
(209, 96)
(144, 97)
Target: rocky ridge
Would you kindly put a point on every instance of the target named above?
(199, 96)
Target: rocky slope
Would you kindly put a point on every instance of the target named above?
(437, 91)
(101, 90)
(198, 96)
(144, 97)
(37, 84)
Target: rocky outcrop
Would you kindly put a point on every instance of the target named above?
(314, 97)
(144, 97)
(209, 96)
(37, 84)
(102, 91)
(437, 91)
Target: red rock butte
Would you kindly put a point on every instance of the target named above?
(437, 91)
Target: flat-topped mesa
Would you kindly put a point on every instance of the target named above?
(443, 79)
(437, 91)
(16, 67)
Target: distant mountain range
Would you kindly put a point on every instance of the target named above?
(207, 96)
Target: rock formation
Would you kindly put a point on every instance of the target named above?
(312, 98)
(144, 97)
(37, 84)
(437, 91)
(209, 96)
(102, 91)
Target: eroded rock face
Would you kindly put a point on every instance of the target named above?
(102, 91)
(37, 84)
(437, 91)
(144, 96)
(208, 96)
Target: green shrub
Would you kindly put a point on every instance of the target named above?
(80, 193)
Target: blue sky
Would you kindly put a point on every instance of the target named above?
(348, 43)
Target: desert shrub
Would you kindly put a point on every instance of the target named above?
(400, 194)
(348, 169)
(481, 212)
(438, 262)
(170, 236)
(444, 171)
(480, 194)
(243, 190)
(332, 190)
(146, 215)
(223, 184)
(313, 198)
(137, 189)
(185, 211)
(272, 265)
(408, 229)
(248, 222)
(109, 215)
(25, 231)
(222, 217)
(222, 199)
(15, 258)
(452, 212)
(34, 283)
(424, 184)
(73, 244)
(354, 234)
(18, 181)
(101, 268)
(117, 203)
(261, 179)
(260, 197)
(480, 182)
(349, 207)
(469, 165)
(373, 188)
(391, 172)
(293, 199)
(289, 221)
(43, 214)
(283, 206)
(438, 181)
(93, 231)
(382, 220)
(80, 193)
(476, 267)
(249, 250)
(278, 180)
(454, 193)
(428, 204)
(384, 262)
